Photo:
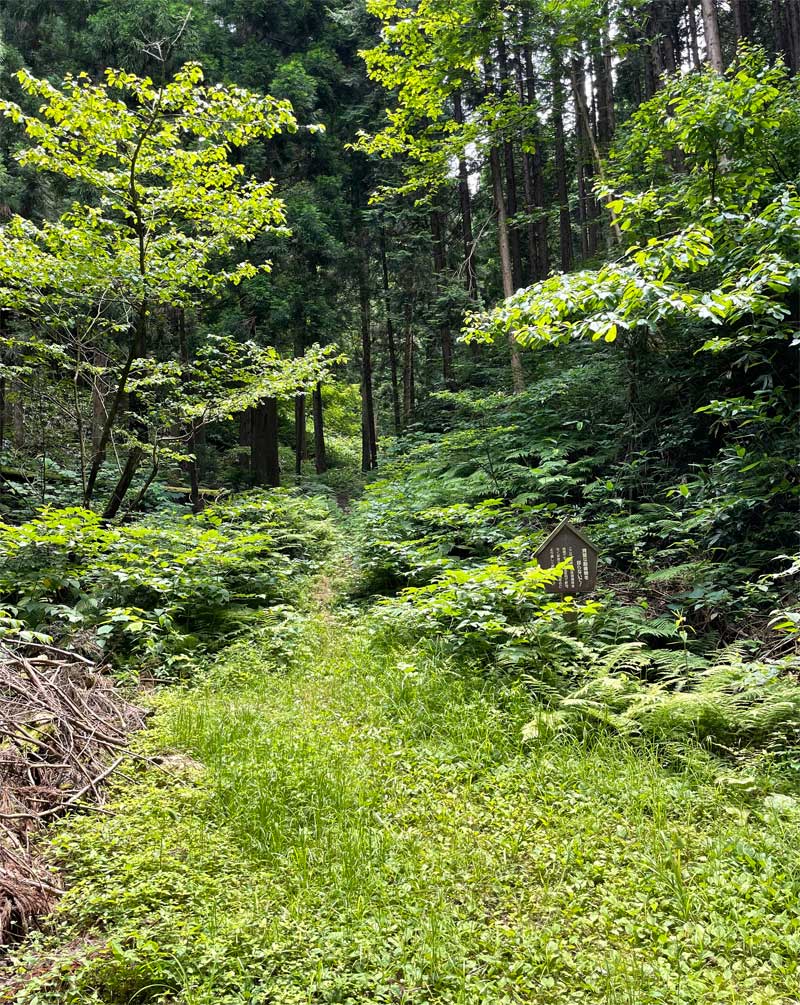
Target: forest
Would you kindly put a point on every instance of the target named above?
(399, 562)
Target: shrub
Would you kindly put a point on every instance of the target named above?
(155, 589)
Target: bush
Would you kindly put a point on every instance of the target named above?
(156, 589)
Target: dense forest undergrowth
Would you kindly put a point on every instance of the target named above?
(338, 813)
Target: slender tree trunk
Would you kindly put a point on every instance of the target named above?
(369, 452)
(299, 432)
(786, 21)
(189, 465)
(79, 423)
(742, 19)
(390, 342)
(439, 267)
(137, 452)
(537, 164)
(565, 224)
(134, 459)
(601, 61)
(408, 358)
(246, 439)
(320, 457)
(99, 392)
(585, 132)
(711, 32)
(693, 33)
(2, 388)
(506, 268)
(264, 455)
(465, 205)
(135, 351)
(585, 161)
(529, 184)
(511, 175)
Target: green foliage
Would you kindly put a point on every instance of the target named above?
(725, 703)
(155, 156)
(151, 592)
(483, 607)
(369, 825)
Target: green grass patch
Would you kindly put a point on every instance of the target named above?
(367, 825)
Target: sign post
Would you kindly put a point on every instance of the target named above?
(566, 542)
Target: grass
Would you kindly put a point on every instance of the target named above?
(352, 824)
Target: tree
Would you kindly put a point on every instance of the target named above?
(168, 204)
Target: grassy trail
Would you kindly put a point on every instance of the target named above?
(350, 823)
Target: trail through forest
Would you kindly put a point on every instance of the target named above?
(346, 819)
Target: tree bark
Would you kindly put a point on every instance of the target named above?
(369, 451)
(264, 455)
(439, 267)
(99, 392)
(506, 267)
(191, 464)
(601, 61)
(711, 32)
(408, 358)
(742, 19)
(532, 177)
(565, 224)
(511, 176)
(136, 453)
(465, 205)
(320, 457)
(587, 204)
(299, 432)
(693, 34)
(786, 21)
(537, 164)
(390, 341)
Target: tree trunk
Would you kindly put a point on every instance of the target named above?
(537, 162)
(134, 351)
(136, 453)
(693, 33)
(99, 392)
(531, 175)
(439, 267)
(390, 342)
(320, 458)
(565, 224)
(711, 32)
(264, 456)
(465, 205)
(134, 459)
(369, 452)
(604, 82)
(506, 268)
(786, 20)
(511, 175)
(587, 204)
(742, 19)
(299, 432)
(190, 465)
(408, 358)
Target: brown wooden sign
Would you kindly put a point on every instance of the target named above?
(566, 542)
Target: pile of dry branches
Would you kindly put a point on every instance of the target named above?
(63, 730)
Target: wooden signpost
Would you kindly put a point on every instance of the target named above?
(566, 542)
